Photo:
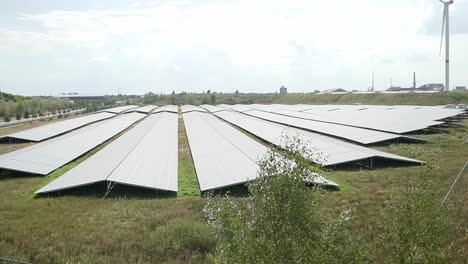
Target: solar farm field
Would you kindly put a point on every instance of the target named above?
(136, 220)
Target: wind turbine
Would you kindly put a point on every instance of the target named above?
(445, 26)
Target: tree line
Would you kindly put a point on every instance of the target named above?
(19, 107)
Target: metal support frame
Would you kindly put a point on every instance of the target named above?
(110, 186)
(455, 184)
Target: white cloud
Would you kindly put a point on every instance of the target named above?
(303, 44)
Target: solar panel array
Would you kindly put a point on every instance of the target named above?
(330, 151)
(47, 156)
(393, 119)
(355, 134)
(223, 156)
(145, 156)
(51, 130)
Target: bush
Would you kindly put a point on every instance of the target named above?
(181, 238)
(7, 117)
(282, 221)
(416, 226)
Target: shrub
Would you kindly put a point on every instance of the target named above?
(7, 117)
(282, 220)
(179, 238)
(416, 226)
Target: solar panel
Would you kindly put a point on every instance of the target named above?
(153, 163)
(223, 156)
(213, 108)
(143, 109)
(330, 151)
(47, 156)
(145, 156)
(167, 108)
(237, 107)
(393, 121)
(191, 108)
(119, 109)
(51, 130)
(355, 134)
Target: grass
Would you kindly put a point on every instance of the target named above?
(368, 189)
(311, 98)
(131, 229)
(188, 182)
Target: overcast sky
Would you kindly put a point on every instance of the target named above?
(52, 46)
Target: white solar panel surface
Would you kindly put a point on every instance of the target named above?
(47, 156)
(213, 108)
(359, 135)
(143, 109)
(191, 108)
(51, 130)
(167, 108)
(218, 162)
(145, 156)
(224, 156)
(119, 109)
(237, 107)
(380, 119)
(331, 151)
(153, 163)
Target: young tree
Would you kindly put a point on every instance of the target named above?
(7, 117)
(416, 226)
(19, 110)
(282, 220)
(213, 99)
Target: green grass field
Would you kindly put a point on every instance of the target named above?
(156, 229)
(188, 182)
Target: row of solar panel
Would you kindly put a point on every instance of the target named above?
(133, 159)
(223, 155)
(390, 119)
(52, 130)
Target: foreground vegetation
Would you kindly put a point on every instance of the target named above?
(127, 228)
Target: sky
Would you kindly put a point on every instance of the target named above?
(50, 47)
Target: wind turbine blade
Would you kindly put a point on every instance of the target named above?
(443, 28)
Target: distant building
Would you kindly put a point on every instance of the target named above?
(433, 87)
(82, 97)
(334, 91)
(460, 89)
(283, 90)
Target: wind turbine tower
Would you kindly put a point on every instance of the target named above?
(445, 26)
(371, 89)
(414, 79)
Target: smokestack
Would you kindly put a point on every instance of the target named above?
(414, 79)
